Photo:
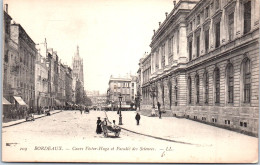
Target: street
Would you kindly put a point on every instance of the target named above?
(70, 136)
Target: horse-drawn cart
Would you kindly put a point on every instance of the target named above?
(108, 129)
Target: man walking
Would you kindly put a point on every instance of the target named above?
(160, 113)
(137, 118)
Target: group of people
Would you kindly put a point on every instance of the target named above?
(17, 112)
(105, 122)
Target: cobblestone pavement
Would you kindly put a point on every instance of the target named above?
(70, 137)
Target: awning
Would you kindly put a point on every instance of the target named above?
(20, 100)
(5, 102)
(57, 102)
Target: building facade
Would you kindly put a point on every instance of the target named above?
(61, 85)
(53, 76)
(68, 85)
(41, 82)
(11, 62)
(205, 63)
(126, 86)
(24, 82)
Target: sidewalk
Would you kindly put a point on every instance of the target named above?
(12, 123)
(183, 131)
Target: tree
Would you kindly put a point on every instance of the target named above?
(79, 92)
(86, 100)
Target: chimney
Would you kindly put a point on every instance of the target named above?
(6, 8)
(159, 23)
(174, 3)
(166, 14)
(153, 31)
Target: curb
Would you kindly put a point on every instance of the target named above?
(155, 137)
(26, 121)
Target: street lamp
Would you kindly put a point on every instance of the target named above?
(120, 114)
(137, 100)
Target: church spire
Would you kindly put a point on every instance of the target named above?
(77, 54)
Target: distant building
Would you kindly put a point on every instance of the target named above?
(77, 66)
(78, 78)
(41, 80)
(126, 86)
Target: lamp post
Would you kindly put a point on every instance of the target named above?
(120, 114)
(138, 99)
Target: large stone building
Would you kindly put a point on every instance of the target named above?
(61, 85)
(53, 76)
(23, 84)
(10, 62)
(205, 63)
(68, 85)
(42, 96)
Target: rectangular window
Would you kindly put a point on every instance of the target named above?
(198, 19)
(247, 82)
(247, 17)
(206, 88)
(207, 41)
(163, 55)
(207, 12)
(198, 89)
(190, 50)
(198, 45)
(231, 26)
(230, 89)
(216, 4)
(247, 89)
(217, 35)
(178, 40)
(170, 46)
(217, 87)
(190, 90)
(190, 26)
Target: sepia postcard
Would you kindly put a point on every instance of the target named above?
(130, 81)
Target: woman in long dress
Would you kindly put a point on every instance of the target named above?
(99, 129)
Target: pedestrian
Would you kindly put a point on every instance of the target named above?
(99, 129)
(137, 118)
(160, 113)
(80, 111)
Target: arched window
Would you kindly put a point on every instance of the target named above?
(206, 86)
(217, 85)
(197, 85)
(162, 88)
(170, 91)
(190, 89)
(247, 80)
(176, 91)
(230, 83)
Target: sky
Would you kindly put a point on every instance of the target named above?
(112, 35)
